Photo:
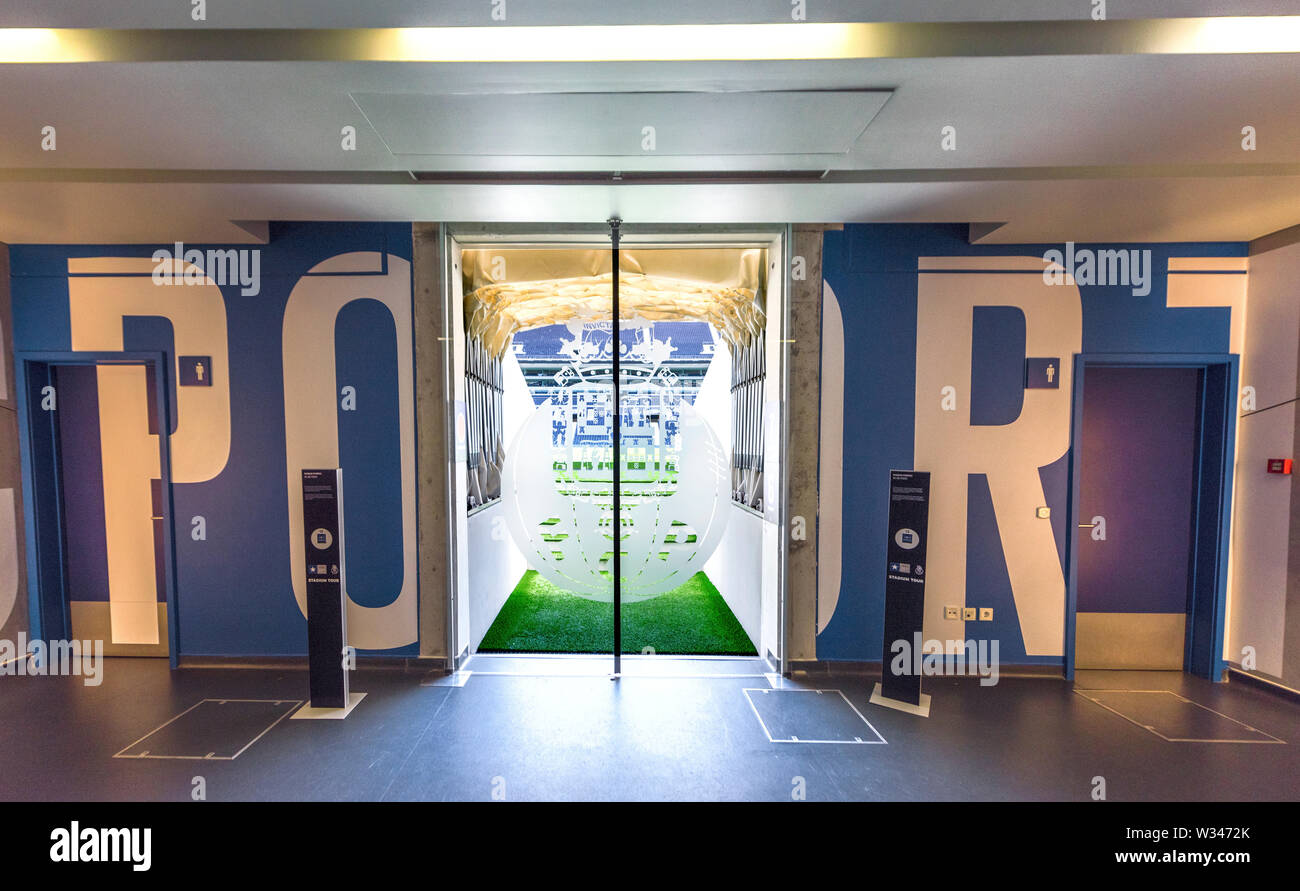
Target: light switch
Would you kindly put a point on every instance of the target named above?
(1043, 513)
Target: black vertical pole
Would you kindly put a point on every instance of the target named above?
(614, 224)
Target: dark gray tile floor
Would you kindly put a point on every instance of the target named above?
(793, 715)
(213, 728)
(681, 735)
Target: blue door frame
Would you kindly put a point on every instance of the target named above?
(1216, 438)
(47, 604)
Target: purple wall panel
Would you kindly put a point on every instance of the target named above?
(82, 482)
(1139, 449)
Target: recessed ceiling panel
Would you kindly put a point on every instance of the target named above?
(622, 124)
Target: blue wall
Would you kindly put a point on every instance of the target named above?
(873, 272)
(234, 592)
(234, 589)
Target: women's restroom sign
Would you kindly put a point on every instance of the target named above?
(322, 512)
(909, 513)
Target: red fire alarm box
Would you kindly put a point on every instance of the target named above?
(1279, 465)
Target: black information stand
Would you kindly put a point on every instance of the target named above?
(322, 513)
(909, 515)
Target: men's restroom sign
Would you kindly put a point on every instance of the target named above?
(195, 371)
(1043, 374)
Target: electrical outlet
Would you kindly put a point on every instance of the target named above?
(968, 614)
(952, 612)
(986, 614)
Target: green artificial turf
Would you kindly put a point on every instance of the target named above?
(691, 619)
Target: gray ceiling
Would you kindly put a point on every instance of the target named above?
(410, 13)
(1081, 148)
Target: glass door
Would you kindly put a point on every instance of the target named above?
(540, 405)
(603, 409)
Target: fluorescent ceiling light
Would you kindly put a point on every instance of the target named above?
(661, 43)
(32, 45)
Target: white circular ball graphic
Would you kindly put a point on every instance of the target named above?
(557, 490)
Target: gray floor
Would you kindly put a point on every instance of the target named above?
(555, 729)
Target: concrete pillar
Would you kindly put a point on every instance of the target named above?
(432, 435)
(804, 406)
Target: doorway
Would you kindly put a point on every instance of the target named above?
(1151, 459)
(534, 393)
(98, 499)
